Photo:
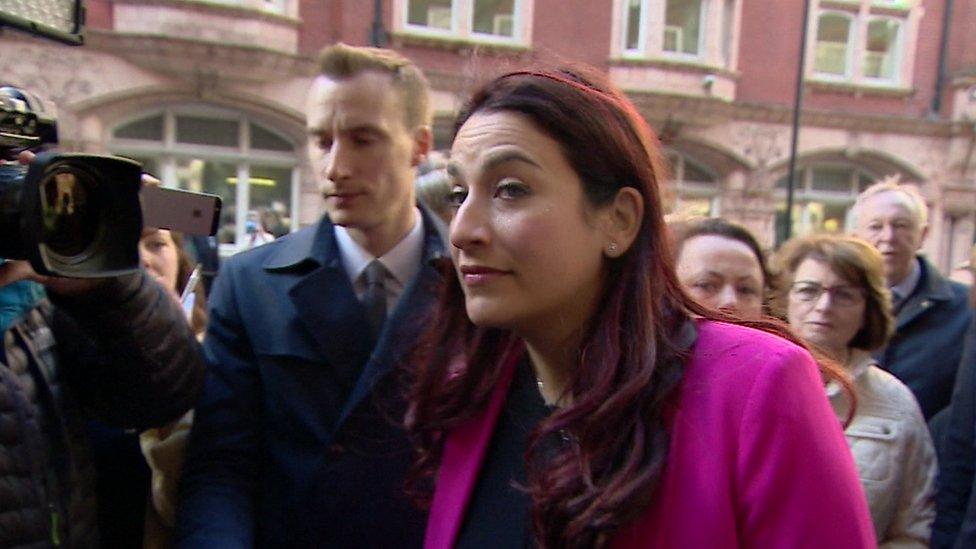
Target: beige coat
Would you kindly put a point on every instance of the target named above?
(893, 451)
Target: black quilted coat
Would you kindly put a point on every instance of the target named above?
(123, 354)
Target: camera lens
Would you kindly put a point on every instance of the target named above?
(70, 216)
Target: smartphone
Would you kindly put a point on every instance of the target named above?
(179, 210)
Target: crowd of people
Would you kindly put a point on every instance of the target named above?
(514, 350)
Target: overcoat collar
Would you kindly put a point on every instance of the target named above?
(932, 288)
(326, 304)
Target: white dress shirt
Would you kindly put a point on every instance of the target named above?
(402, 261)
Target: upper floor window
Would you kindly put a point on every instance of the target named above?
(273, 6)
(833, 53)
(683, 20)
(699, 31)
(480, 20)
(863, 42)
(881, 49)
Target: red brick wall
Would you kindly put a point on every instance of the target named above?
(769, 45)
(98, 14)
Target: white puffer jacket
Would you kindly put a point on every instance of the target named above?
(893, 451)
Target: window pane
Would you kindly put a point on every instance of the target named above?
(879, 55)
(833, 32)
(148, 128)
(267, 140)
(864, 181)
(271, 198)
(149, 165)
(201, 175)
(207, 131)
(494, 17)
(632, 40)
(682, 26)
(430, 13)
(832, 179)
(821, 217)
(693, 207)
(696, 174)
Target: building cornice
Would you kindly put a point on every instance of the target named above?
(239, 62)
(707, 111)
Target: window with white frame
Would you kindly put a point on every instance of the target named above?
(692, 31)
(482, 20)
(823, 196)
(833, 49)
(862, 42)
(881, 49)
(273, 6)
(634, 25)
(696, 186)
(251, 167)
(683, 22)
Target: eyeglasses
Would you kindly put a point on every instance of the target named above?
(844, 296)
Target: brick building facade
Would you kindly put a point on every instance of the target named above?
(209, 94)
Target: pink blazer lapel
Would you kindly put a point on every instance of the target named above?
(464, 451)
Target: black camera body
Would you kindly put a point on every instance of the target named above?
(70, 215)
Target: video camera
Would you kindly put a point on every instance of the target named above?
(74, 215)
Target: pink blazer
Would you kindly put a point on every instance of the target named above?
(757, 457)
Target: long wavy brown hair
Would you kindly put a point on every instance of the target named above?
(629, 361)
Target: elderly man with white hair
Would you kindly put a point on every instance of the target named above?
(931, 311)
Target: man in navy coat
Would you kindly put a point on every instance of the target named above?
(931, 312)
(302, 401)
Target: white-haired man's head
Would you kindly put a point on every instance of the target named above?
(893, 217)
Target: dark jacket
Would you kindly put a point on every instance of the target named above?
(955, 520)
(120, 353)
(298, 403)
(925, 350)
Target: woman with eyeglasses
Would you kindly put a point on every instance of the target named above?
(836, 299)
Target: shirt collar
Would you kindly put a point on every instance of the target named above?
(905, 288)
(402, 261)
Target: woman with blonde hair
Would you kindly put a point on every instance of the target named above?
(834, 295)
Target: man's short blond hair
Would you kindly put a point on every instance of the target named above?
(913, 198)
(341, 61)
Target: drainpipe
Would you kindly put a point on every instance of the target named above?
(943, 54)
(377, 34)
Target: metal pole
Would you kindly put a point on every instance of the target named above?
(377, 34)
(797, 107)
(941, 78)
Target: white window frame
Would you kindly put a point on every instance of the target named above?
(898, 47)
(167, 151)
(641, 30)
(685, 190)
(848, 47)
(715, 49)
(861, 14)
(280, 7)
(704, 27)
(462, 23)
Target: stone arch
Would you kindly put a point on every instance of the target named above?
(879, 163)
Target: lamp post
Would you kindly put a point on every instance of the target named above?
(797, 107)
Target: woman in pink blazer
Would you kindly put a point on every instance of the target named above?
(570, 394)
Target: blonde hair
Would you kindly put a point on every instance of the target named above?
(341, 61)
